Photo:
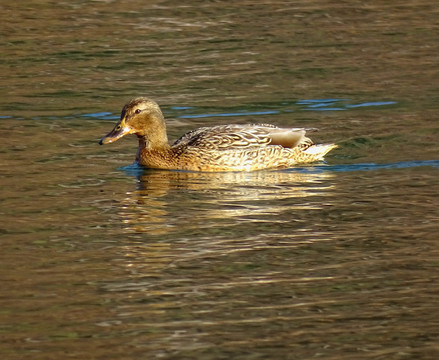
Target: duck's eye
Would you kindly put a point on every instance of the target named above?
(118, 127)
(137, 111)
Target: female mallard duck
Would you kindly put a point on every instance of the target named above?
(216, 148)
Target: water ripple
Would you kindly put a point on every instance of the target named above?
(271, 109)
(366, 166)
(229, 114)
(137, 170)
(304, 105)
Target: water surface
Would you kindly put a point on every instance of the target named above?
(102, 259)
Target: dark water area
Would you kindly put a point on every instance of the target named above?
(101, 259)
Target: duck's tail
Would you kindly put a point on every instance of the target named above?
(318, 151)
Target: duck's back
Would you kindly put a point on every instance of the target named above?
(241, 137)
(244, 147)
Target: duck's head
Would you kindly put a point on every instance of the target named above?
(140, 116)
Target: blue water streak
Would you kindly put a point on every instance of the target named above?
(228, 114)
(138, 170)
(102, 115)
(376, 103)
(366, 166)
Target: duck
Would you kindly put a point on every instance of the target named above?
(234, 147)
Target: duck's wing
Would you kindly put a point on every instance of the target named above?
(230, 137)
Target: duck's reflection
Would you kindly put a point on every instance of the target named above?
(182, 223)
(169, 201)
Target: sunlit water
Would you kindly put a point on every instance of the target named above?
(103, 259)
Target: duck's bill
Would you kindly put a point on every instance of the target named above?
(115, 134)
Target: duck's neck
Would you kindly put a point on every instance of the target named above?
(156, 144)
(152, 134)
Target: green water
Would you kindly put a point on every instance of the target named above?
(101, 260)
